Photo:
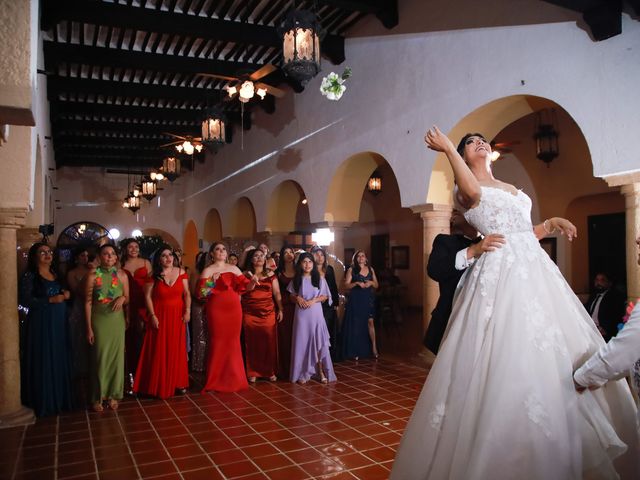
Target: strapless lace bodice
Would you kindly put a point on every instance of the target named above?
(501, 212)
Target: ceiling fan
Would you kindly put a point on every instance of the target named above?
(246, 86)
(186, 144)
(501, 148)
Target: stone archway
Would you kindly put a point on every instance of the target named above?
(284, 204)
(212, 226)
(190, 245)
(240, 224)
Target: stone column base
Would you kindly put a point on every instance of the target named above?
(21, 417)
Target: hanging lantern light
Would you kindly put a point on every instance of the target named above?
(133, 202)
(301, 45)
(546, 136)
(136, 190)
(374, 185)
(125, 203)
(149, 189)
(171, 168)
(214, 126)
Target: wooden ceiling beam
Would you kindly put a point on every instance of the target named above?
(57, 85)
(58, 53)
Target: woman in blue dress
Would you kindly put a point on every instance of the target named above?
(358, 330)
(46, 367)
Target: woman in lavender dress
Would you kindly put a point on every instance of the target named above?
(310, 343)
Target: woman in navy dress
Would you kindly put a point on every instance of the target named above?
(46, 363)
(358, 330)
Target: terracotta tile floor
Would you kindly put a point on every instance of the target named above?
(348, 430)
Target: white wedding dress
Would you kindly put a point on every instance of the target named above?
(499, 401)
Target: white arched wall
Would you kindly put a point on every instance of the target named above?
(377, 112)
(283, 206)
(436, 77)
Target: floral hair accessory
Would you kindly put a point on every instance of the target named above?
(333, 85)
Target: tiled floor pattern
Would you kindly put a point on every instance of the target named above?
(281, 431)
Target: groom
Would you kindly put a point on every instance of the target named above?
(450, 257)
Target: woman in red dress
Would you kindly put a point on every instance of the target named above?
(138, 271)
(163, 361)
(221, 284)
(259, 320)
(286, 271)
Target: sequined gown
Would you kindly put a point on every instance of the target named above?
(499, 401)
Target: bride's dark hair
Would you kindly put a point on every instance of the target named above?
(463, 142)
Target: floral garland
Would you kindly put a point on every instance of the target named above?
(333, 85)
(111, 291)
(206, 286)
(630, 308)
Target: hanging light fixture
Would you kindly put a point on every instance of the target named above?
(133, 202)
(546, 135)
(247, 90)
(214, 126)
(171, 168)
(125, 203)
(301, 45)
(374, 184)
(149, 189)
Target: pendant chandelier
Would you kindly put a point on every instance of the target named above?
(214, 126)
(374, 184)
(171, 168)
(546, 135)
(133, 202)
(301, 45)
(149, 189)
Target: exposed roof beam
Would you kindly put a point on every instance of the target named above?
(84, 141)
(61, 110)
(71, 125)
(116, 15)
(57, 53)
(57, 85)
(385, 10)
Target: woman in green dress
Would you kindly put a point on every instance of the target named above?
(107, 299)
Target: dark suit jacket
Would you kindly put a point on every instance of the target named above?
(442, 268)
(611, 311)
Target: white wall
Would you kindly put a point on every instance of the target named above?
(400, 86)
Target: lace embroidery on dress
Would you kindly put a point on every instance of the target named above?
(437, 416)
(544, 334)
(536, 413)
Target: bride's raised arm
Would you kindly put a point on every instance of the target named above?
(468, 187)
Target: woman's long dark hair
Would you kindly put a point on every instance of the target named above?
(324, 254)
(315, 275)
(281, 260)
(355, 268)
(74, 257)
(32, 266)
(201, 261)
(123, 249)
(157, 266)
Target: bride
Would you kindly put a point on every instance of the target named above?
(499, 402)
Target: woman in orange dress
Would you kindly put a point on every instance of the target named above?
(162, 369)
(138, 270)
(221, 284)
(286, 271)
(259, 320)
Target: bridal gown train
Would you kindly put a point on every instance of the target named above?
(499, 402)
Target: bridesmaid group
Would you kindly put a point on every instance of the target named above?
(127, 329)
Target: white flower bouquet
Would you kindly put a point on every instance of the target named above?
(333, 85)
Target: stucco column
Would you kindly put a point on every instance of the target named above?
(435, 220)
(12, 413)
(631, 194)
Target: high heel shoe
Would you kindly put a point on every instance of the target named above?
(273, 378)
(113, 404)
(97, 407)
(252, 379)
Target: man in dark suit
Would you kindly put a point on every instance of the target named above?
(450, 257)
(606, 305)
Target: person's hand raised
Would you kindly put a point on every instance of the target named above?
(438, 141)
